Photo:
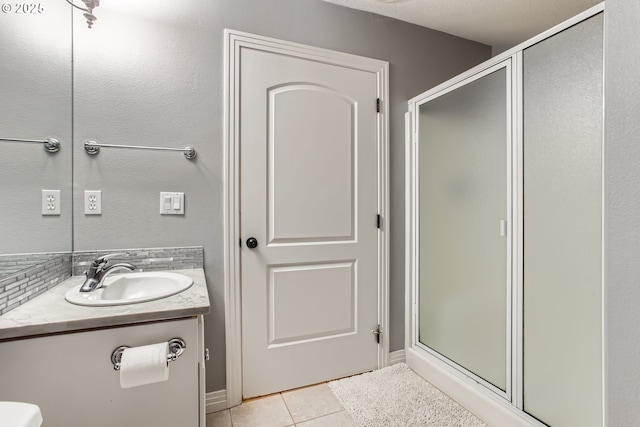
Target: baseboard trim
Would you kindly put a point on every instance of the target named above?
(396, 357)
(492, 410)
(216, 401)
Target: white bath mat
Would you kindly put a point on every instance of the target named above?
(397, 397)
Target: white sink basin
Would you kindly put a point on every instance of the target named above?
(130, 288)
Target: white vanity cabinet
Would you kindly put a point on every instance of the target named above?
(71, 378)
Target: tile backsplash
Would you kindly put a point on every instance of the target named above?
(177, 258)
(30, 282)
(14, 263)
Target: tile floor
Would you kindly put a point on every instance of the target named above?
(314, 406)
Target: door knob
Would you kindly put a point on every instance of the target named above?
(252, 243)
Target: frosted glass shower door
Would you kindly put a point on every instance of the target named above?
(463, 212)
(563, 227)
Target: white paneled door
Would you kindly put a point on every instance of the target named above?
(309, 188)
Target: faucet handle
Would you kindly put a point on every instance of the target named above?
(105, 258)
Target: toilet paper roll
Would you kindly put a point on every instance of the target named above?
(144, 365)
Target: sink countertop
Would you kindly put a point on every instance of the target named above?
(50, 313)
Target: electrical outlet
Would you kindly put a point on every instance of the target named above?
(92, 202)
(50, 202)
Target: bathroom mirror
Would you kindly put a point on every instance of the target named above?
(36, 104)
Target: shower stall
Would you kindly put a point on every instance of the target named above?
(504, 231)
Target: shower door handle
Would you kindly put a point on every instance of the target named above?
(503, 227)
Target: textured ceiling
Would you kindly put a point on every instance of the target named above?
(492, 22)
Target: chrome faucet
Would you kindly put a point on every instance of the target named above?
(100, 269)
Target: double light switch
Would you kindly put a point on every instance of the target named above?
(171, 203)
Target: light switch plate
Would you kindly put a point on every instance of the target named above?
(93, 202)
(50, 202)
(171, 203)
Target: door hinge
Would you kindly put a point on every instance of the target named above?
(377, 105)
(377, 332)
(379, 221)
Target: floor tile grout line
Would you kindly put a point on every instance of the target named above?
(342, 408)
(288, 410)
(324, 415)
(295, 423)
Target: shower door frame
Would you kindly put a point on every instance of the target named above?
(414, 111)
(493, 407)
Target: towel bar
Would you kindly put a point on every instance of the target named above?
(176, 348)
(93, 147)
(51, 145)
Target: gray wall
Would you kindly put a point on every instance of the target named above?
(622, 213)
(498, 49)
(151, 73)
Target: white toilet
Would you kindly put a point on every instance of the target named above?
(17, 414)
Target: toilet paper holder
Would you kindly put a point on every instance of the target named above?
(176, 348)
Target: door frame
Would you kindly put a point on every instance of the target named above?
(234, 42)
